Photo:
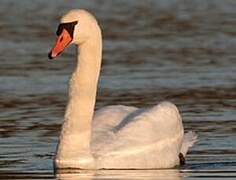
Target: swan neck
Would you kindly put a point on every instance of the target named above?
(76, 131)
(83, 87)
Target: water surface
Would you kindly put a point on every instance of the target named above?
(176, 50)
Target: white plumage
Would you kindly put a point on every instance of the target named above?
(114, 137)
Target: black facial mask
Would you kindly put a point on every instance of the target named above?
(67, 26)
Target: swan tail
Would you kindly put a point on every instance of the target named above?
(189, 139)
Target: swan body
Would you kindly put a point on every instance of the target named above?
(114, 137)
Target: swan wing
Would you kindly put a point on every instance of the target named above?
(141, 138)
(104, 120)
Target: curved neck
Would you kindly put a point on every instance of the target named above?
(76, 130)
(83, 86)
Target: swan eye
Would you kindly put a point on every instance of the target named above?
(68, 26)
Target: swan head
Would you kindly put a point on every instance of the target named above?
(76, 27)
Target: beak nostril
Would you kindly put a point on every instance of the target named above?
(61, 39)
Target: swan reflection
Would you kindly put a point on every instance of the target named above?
(166, 174)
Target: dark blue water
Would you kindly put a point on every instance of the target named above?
(176, 50)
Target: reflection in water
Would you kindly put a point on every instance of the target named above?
(171, 174)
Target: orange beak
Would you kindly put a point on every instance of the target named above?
(63, 40)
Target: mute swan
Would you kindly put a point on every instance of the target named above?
(114, 137)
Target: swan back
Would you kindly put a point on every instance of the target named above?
(142, 138)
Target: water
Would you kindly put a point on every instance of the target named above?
(176, 50)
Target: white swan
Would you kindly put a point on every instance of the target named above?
(114, 137)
